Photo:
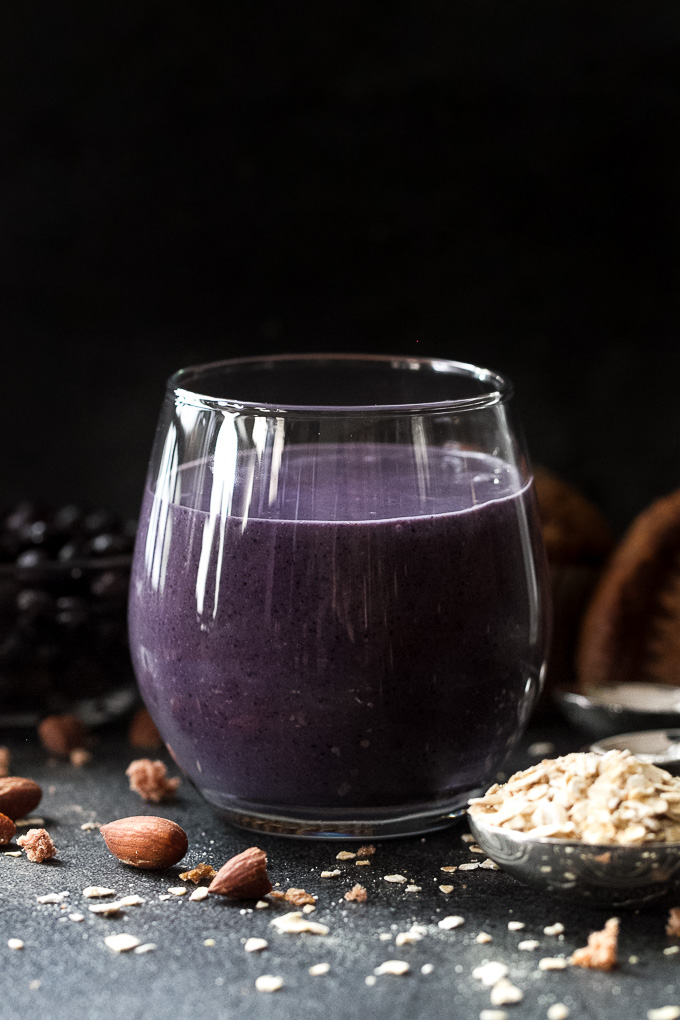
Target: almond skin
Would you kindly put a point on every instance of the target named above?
(145, 841)
(61, 734)
(18, 797)
(243, 877)
(7, 830)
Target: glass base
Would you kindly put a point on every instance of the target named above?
(364, 823)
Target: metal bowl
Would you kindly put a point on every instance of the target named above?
(656, 747)
(602, 718)
(611, 876)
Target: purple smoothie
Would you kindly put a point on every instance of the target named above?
(344, 645)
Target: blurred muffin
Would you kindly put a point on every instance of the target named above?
(578, 540)
(631, 630)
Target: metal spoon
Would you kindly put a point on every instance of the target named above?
(612, 876)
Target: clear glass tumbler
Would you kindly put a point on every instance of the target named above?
(338, 599)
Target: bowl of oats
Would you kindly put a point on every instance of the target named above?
(604, 828)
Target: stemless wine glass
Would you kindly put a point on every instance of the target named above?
(338, 599)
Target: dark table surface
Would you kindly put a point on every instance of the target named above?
(66, 970)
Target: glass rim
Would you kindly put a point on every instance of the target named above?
(500, 391)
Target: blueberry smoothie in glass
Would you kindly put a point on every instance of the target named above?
(342, 648)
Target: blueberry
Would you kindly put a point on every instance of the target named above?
(34, 603)
(71, 551)
(67, 519)
(109, 584)
(31, 558)
(24, 513)
(107, 544)
(71, 611)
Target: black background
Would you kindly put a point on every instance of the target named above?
(475, 179)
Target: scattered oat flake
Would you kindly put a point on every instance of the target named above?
(198, 873)
(199, 894)
(38, 845)
(541, 749)
(516, 925)
(106, 909)
(299, 897)
(165, 896)
(268, 983)
(488, 865)
(394, 878)
(467, 837)
(633, 959)
(474, 849)
(472, 866)
(490, 973)
(76, 917)
(558, 1011)
(122, 943)
(601, 951)
(483, 938)
(446, 889)
(366, 851)
(93, 892)
(295, 924)
(53, 897)
(427, 968)
(504, 993)
(11, 853)
(330, 874)
(357, 894)
(177, 890)
(395, 967)
(90, 826)
(406, 938)
(15, 943)
(208, 942)
(345, 855)
(553, 963)
(671, 950)
(453, 921)
(370, 980)
(133, 900)
(493, 1014)
(260, 905)
(255, 945)
(528, 944)
(385, 936)
(554, 929)
(450, 868)
(148, 947)
(27, 823)
(413, 888)
(308, 908)
(664, 1013)
(317, 969)
(361, 864)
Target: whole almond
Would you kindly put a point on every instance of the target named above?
(7, 830)
(60, 734)
(143, 732)
(145, 841)
(243, 877)
(18, 797)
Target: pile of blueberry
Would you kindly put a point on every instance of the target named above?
(64, 578)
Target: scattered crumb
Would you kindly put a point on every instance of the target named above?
(413, 888)
(148, 947)
(452, 921)
(79, 756)
(5, 762)
(633, 959)
(483, 938)
(385, 936)
(15, 943)
(408, 938)
(541, 749)
(295, 924)
(345, 855)
(370, 980)
(357, 894)
(449, 868)
(276, 894)
(208, 942)
(198, 873)
(268, 983)
(255, 945)
(260, 905)
(199, 894)
(121, 943)
(516, 925)
(93, 892)
(366, 851)
(493, 1014)
(446, 889)
(11, 853)
(177, 890)
(76, 917)
(427, 968)
(308, 908)
(317, 969)
(600, 953)
(329, 874)
(553, 963)
(558, 1011)
(671, 950)
(396, 967)
(528, 944)
(90, 826)
(299, 897)
(394, 878)
(664, 1013)
(490, 973)
(673, 924)
(38, 845)
(149, 779)
(504, 993)
(554, 929)
(361, 864)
